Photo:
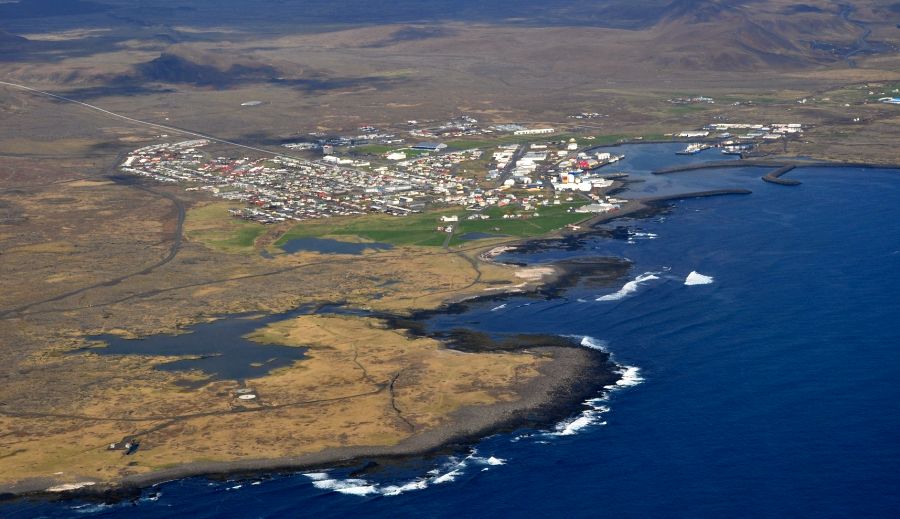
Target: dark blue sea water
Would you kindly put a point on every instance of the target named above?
(771, 392)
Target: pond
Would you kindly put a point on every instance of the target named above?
(222, 352)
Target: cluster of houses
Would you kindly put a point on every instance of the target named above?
(284, 188)
(691, 100)
(736, 138)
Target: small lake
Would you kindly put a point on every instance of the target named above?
(224, 353)
(329, 246)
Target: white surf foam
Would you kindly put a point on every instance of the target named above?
(495, 461)
(446, 478)
(631, 376)
(696, 278)
(446, 473)
(596, 407)
(91, 509)
(630, 287)
(594, 344)
(591, 416)
(501, 307)
(355, 487)
(396, 490)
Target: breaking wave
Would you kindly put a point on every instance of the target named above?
(631, 375)
(454, 468)
(696, 278)
(633, 236)
(595, 408)
(630, 287)
(591, 416)
(446, 473)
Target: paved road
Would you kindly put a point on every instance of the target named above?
(148, 123)
(507, 171)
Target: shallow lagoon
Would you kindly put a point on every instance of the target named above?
(220, 346)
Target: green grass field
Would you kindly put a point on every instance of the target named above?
(684, 109)
(214, 227)
(421, 229)
(551, 218)
(381, 149)
(372, 149)
(417, 229)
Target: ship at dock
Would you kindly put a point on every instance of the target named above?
(693, 148)
(736, 149)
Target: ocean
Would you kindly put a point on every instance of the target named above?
(766, 387)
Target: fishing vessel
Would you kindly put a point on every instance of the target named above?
(693, 148)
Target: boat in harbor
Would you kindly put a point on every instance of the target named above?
(735, 149)
(693, 148)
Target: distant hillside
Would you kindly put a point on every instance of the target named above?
(723, 35)
(202, 70)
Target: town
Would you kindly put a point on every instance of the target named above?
(378, 172)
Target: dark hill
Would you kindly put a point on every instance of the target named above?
(174, 68)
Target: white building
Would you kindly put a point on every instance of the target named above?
(534, 131)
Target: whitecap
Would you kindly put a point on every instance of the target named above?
(358, 491)
(629, 287)
(570, 427)
(501, 307)
(696, 278)
(91, 508)
(446, 473)
(357, 487)
(490, 460)
(396, 490)
(631, 376)
(446, 478)
(594, 344)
